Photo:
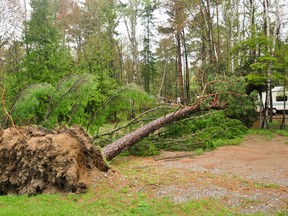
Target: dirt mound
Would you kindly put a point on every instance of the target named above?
(33, 160)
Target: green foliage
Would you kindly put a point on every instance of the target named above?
(131, 101)
(143, 148)
(74, 100)
(256, 79)
(263, 63)
(46, 60)
(204, 131)
(239, 105)
(83, 100)
(33, 103)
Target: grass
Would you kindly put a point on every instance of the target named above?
(265, 185)
(269, 133)
(106, 203)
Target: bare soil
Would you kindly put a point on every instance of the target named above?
(256, 158)
(35, 160)
(248, 178)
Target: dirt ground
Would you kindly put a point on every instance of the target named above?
(35, 160)
(248, 178)
(256, 158)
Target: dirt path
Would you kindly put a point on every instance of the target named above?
(256, 158)
(249, 178)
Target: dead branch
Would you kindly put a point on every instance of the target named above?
(172, 158)
(8, 115)
(5, 110)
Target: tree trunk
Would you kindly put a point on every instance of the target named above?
(179, 68)
(266, 28)
(187, 80)
(282, 126)
(112, 150)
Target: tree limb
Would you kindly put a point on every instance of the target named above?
(127, 125)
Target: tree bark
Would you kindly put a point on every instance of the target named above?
(112, 150)
(187, 80)
(179, 68)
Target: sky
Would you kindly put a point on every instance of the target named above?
(6, 24)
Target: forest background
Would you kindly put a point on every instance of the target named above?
(108, 65)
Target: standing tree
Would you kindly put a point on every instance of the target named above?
(131, 12)
(46, 59)
(148, 67)
(166, 66)
(177, 17)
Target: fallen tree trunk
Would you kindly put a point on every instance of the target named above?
(112, 150)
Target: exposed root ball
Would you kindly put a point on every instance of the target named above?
(34, 160)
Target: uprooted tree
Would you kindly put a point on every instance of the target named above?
(215, 95)
(34, 160)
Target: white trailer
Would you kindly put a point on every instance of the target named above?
(278, 98)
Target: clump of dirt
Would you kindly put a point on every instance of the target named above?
(35, 160)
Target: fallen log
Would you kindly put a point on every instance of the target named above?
(115, 148)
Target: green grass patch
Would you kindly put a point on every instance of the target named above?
(224, 142)
(266, 185)
(269, 134)
(198, 151)
(107, 203)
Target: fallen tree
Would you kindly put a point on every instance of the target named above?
(115, 148)
(35, 160)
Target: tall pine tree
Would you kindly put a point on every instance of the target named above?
(46, 60)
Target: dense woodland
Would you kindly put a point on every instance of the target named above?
(122, 63)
